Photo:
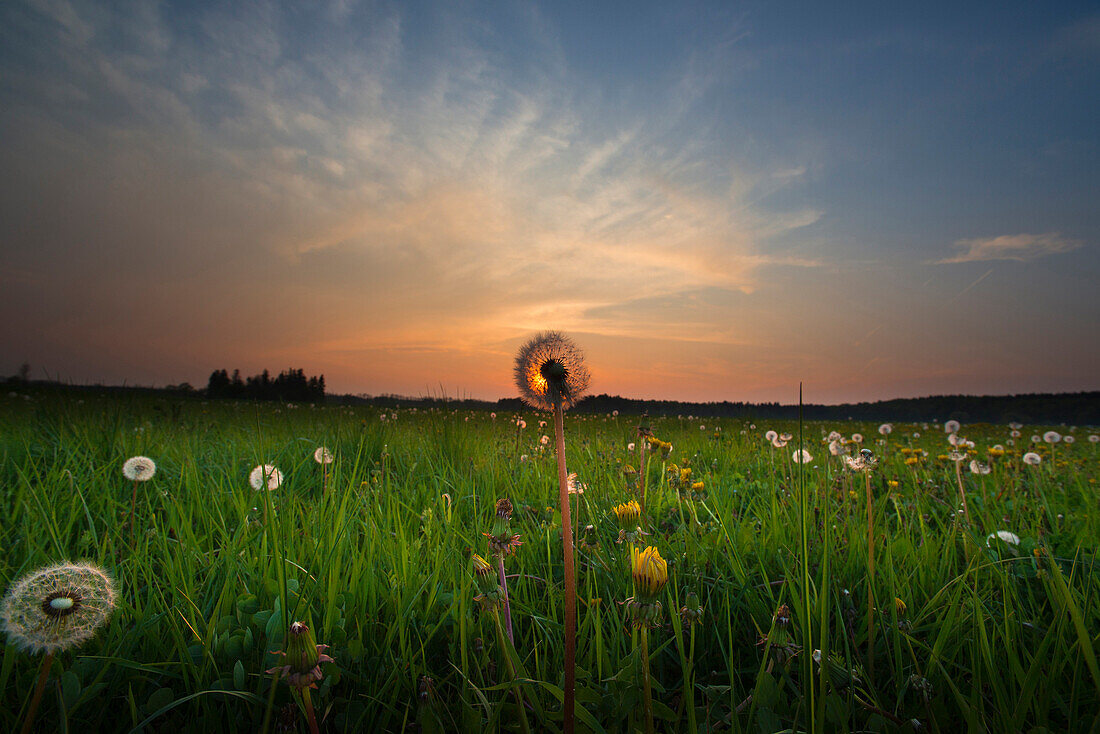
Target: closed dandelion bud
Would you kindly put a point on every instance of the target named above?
(303, 658)
(900, 608)
(628, 514)
(692, 611)
(650, 572)
(502, 541)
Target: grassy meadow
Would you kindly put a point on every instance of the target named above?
(943, 628)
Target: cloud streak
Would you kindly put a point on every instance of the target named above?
(1019, 247)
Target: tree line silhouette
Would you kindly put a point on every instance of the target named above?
(290, 385)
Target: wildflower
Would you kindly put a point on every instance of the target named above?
(575, 487)
(885, 429)
(139, 469)
(544, 440)
(864, 462)
(485, 578)
(550, 369)
(649, 570)
(1093, 438)
(1032, 458)
(630, 446)
(857, 438)
(265, 475)
(802, 456)
(1052, 437)
(951, 427)
(303, 657)
(771, 436)
(521, 424)
(57, 607)
(322, 456)
(785, 437)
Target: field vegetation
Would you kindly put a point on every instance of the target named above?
(805, 591)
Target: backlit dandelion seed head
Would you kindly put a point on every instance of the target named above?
(322, 456)
(139, 468)
(265, 475)
(857, 438)
(1093, 438)
(57, 607)
(951, 427)
(550, 368)
(771, 435)
(1032, 458)
(886, 429)
(1052, 437)
(802, 456)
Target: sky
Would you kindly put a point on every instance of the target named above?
(715, 201)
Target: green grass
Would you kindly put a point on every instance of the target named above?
(994, 638)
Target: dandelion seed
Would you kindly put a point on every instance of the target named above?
(265, 474)
(139, 469)
(57, 607)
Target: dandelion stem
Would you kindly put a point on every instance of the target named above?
(511, 674)
(310, 717)
(133, 507)
(570, 579)
(647, 688)
(507, 606)
(43, 675)
(870, 578)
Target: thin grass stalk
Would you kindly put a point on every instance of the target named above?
(516, 691)
(40, 686)
(570, 578)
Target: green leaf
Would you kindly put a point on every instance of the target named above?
(240, 678)
(70, 688)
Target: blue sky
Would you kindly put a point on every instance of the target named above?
(716, 200)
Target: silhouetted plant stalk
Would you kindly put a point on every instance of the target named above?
(551, 375)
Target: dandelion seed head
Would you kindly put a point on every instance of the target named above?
(1005, 535)
(322, 456)
(1052, 437)
(550, 368)
(1032, 458)
(265, 474)
(139, 468)
(57, 607)
(802, 456)
(951, 427)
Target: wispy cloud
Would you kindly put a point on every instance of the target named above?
(1020, 247)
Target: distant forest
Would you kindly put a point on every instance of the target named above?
(1079, 408)
(1082, 408)
(290, 385)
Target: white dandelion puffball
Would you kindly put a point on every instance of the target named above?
(1008, 537)
(1032, 458)
(630, 446)
(493, 416)
(1015, 425)
(614, 414)
(57, 607)
(777, 443)
(1093, 438)
(544, 440)
(322, 455)
(1068, 439)
(265, 474)
(1035, 438)
(1014, 433)
(784, 437)
(771, 435)
(857, 438)
(886, 429)
(139, 468)
(977, 467)
(802, 456)
(1052, 437)
(951, 427)
(835, 448)
(521, 424)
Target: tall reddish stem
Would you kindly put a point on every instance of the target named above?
(570, 579)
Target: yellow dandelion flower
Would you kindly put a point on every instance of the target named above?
(649, 570)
